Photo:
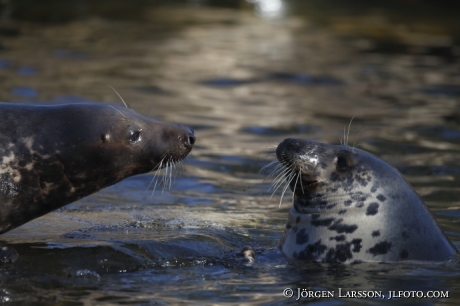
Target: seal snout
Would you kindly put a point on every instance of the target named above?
(296, 155)
(287, 149)
(189, 137)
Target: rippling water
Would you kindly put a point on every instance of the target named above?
(244, 83)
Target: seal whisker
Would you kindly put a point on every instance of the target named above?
(279, 173)
(278, 169)
(280, 177)
(172, 179)
(356, 138)
(267, 166)
(171, 167)
(295, 185)
(288, 182)
(277, 184)
(165, 178)
(122, 115)
(126, 105)
(166, 175)
(300, 180)
(156, 176)
(348, 133)
(269, 154)
(177, 169)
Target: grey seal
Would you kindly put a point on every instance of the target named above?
(350, 206)
(51, 156)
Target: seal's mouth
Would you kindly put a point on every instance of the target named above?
(302, 185)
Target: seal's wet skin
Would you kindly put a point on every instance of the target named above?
(54, 155)
(350, 206)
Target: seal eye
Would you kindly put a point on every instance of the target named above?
(342, 163)
(135, 136)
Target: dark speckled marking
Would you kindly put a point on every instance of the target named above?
(347, 202)
(372, 209)
(343, 251)
(334, 177)
(404, 254)
(342, 228)
(322, 222)
(295, 229)
(359, 197)
(362, 179)
(315, 216)
(375, 233)
(380, 248)
(381, 198)
(359, 204)
(373, 189)
(340, 253)
(342, 211)
(312, 251)
(288, 226)
(356, 245)
(301, 237)
(338, 238)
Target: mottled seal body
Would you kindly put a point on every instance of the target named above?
(351, 206)
(54, 155)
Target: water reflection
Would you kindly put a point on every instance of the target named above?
(269, 8)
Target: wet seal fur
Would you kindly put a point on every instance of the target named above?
(350, 206)
(51, 156)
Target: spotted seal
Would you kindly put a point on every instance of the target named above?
(351, 206)
(51, 156)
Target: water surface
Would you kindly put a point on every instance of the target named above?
(244, 83)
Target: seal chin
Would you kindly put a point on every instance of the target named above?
(303, 186)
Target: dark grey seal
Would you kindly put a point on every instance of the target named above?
(351, 206)
(51, 156)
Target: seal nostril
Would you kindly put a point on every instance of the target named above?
(192, 139)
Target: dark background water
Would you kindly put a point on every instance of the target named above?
(245, 75)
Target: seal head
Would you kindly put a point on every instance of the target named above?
(351, 206)
(54, 155)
